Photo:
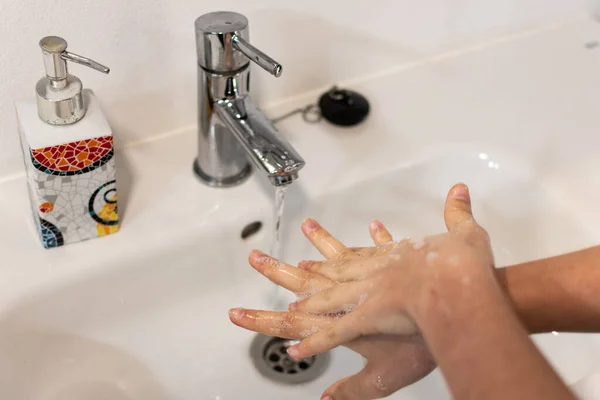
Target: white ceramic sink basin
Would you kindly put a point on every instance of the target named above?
(142, 315)
(157, 327)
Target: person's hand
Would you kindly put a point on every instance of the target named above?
(393, 362)
(396, 288)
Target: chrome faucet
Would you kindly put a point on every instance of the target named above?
(231, 128)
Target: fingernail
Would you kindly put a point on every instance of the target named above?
(305, 265)
(236, 313)
(376, 224)
(293, 306)
(461, 192)
(293, 351)
(328, 397)
(258, 256)
(310, 225)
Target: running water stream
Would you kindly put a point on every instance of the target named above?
(279, 203)
(275, 250)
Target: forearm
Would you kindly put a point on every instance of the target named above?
(560, 293)
(481, 347)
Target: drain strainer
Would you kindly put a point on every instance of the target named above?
(270, 357)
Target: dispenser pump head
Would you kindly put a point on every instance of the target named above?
(59, 97)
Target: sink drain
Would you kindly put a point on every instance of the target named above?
(270, 357)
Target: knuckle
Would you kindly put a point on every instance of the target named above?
(271, 263)
(484, 234)
(382, 250)
(304, 287)
(322, 235)
(335, 275)
(318, 233)
(476, 236)
(347, 253)
(333, 266)
(331, 334)
(314, 265)
(290, 319)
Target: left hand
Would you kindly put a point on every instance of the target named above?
(393, 362)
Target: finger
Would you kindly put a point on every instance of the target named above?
(379, 233)
(289, 325)
(327, 245)
(330, 390)
(367, 384)
(364, 251)
(344, 297)
(342, 331)
(347, 270)
(291, 278)
(384, 375)
(373, 250)
(457, 211)
(354, 387)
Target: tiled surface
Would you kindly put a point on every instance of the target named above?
(72, 188)
(73, 158)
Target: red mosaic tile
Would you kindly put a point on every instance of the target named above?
(73, 156)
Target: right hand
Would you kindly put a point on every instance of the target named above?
(393, 361)
(400, 290)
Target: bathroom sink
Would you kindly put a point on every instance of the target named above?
(523, 220)
(142, 315)
(156, 327)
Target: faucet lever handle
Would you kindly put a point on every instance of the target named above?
(254, 54)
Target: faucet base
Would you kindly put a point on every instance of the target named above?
(223, 182)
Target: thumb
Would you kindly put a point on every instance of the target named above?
(457, 211)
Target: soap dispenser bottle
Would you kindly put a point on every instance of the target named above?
(68, 152)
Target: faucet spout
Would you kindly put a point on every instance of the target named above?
(263, 143)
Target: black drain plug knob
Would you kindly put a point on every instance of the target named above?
(343, 107)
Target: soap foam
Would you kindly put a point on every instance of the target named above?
(431, 256)
(363, 297)
(395, 257)
(313, 290)
(347, 308)
(418, 244)
(309, 332)
(281, 323)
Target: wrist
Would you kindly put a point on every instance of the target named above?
(447, 291)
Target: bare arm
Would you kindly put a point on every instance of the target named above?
(559, 293)
(482, 348)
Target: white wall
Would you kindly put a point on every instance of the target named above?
(149, 45)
